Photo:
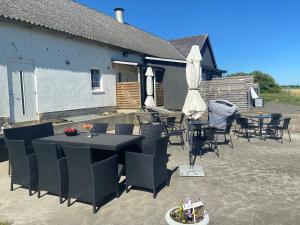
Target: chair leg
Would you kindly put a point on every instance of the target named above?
(182, 141)
(289, 135)
(11, 185)
(69, 202)
(231, 141)
(30, 192)
(118, 191)
(127, 188)
(39, 194)
(94, 208)
(154, 193)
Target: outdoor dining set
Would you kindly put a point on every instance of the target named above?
(87, 166)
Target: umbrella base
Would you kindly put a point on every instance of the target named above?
(191, 171)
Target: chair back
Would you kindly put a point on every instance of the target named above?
(210, 133)
(151, 133)
(275, 119)
(123, 128)
(17, 158)
(47, 156)
(286, 123)
(244, 122)
(99, 128)
(237, 117)
(160, 149)
(79, 160)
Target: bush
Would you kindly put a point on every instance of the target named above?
(266, 82)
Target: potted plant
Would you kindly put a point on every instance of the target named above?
(187, 213)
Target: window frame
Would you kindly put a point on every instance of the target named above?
(100, 88)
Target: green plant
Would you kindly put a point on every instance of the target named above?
(6, 222)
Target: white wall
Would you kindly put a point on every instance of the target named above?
(59, 86)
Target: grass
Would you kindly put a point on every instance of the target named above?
(291, 98)
(6, 222)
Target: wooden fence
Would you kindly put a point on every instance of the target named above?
(159, 94)
(233, 89)
(128, 95)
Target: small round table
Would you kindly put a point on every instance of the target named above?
(261, 118)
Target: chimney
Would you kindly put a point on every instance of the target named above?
(119, 14)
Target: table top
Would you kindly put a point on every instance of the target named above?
(111, 142)
(261, 116)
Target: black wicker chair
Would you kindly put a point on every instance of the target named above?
(123, 128)
(143, 120)
(23, 166)
(210, 135)
(278, 130)
(271, 128)
(148, 170)
(151, 134)
(248, 127)
(175, 128)
(99, 128)
(226, 130)
(90, 182)
(52, 171)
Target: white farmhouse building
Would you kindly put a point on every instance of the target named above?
(60, 58)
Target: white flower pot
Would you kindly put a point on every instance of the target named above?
(170, 221)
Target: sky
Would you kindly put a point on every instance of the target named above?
(246, 35)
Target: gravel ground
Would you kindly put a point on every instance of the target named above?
(257, 182)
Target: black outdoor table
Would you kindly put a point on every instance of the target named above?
(110, 142)
(261, 118)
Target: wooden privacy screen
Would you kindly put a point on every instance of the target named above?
(159, 94)
(128, 95)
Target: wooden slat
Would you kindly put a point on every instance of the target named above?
(159, 94)
(128, 95)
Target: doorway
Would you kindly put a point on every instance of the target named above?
(22, 93)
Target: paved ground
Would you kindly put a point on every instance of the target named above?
(254, 183)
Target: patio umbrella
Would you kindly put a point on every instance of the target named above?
(194, 105)
(149, 102)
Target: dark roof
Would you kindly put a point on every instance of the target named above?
(72, 18)
(184, 45)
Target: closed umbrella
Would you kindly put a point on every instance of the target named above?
(194, 106)
(149, 102)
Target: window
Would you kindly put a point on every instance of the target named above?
(96, 79)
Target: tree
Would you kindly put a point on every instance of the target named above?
(266, 82)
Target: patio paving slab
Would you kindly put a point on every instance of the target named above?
(254, 183)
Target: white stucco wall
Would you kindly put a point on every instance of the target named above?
(59, 86)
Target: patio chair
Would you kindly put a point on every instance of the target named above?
(175, 128)
(90, 182)
(143, 120)
(226, 130)
(210, 135)
(237, 117)
(275, 120)
(277, 131)
(148, 170)
(52, 171)
(123, 128)
(23, 166)
(248, 126)
(151, 133)
(99, 128)
(271, 128)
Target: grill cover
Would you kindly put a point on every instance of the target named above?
(219, 111)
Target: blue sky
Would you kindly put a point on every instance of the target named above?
(246, 35)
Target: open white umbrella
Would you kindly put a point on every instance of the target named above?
(149, 102)
(194, 106)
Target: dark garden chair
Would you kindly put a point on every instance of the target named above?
(175, 128)
(151, 133)
(275, 120)
(23, 166)
(211, 139)
(226, 130)
(123, 128)
(89, 182)
(52, 170)
(277, 131)
(237, 117)
(99, 128)
(247, 128)
(148, 170)
(143, 120)
(271, 128)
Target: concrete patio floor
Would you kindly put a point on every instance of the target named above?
(254, 183)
